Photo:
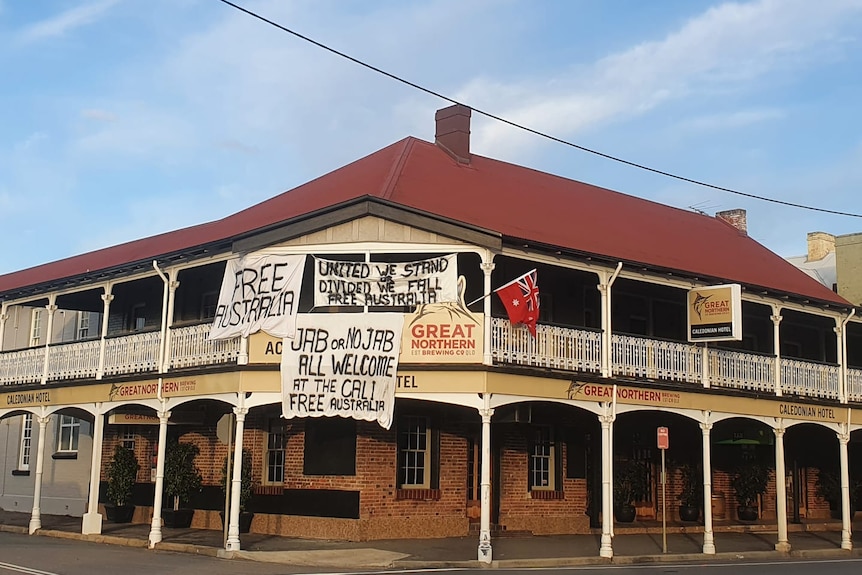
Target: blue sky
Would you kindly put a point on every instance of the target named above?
(122, 119)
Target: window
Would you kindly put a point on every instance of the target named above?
(542, 460)
(36, 327)
(209, 303)
(83, 324)
(414, 450)
(330, 446)
(127, 437)
(276, 447)
(138, 317)
(26, 442)
(68, 430)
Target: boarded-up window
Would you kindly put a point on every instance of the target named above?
(330, 446)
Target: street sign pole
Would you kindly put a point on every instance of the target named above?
(663, 443)
(663, 507)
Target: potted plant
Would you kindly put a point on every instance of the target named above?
(122, 474)
(691, 493)
(749, 483)
(245, 491)
(182, 478)
(630, 485)
(829, 489)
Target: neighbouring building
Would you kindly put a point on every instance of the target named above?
(347, 336)
(836, 262)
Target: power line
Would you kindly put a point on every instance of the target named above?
(527, 128)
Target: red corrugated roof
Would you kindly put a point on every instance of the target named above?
(514, 201)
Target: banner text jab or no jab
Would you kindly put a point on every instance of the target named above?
(342, 370)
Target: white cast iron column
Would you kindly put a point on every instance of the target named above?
(36, 515)
(606, 549)
(173, 286)
(776, 338)
(487, 357)
(51, 307)
(107, 298)
(233, 543)
(846, 532)
(92, 522)
(156, 528)
(842, 363)
(783, 544)
(708, 537)
(485, 551)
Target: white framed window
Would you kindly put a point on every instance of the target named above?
(209, 304)
(68, 430)
(414, 450)
(542, 470)
(26, 442)
(276, 452)
(138, 317)
(36, 327)
(127, 437)
(83, 325)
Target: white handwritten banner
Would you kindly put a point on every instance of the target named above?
(259, 292)
(342, 364)
(385, 284)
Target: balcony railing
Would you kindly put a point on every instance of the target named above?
(656, 359)
(741, 370)
(127, 354)
(809, 379)
(78, 360)
(854, 385)
(566, 349)
(191, 348)
(649, 358)
(22, 367)
(556, 347)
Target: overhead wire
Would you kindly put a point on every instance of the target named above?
(534, 131)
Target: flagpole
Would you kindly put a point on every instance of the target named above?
(502, 287)
(479, 299)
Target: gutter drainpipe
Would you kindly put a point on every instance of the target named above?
(845, 392)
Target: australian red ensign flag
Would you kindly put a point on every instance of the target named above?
(521, 300)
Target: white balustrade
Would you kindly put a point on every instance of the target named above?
(854, 384)
(556, 347)
(740, 370)
(569, 349)
(656, 359)
(190, 347)
(76, 360)
(809, 379)
(21, 367)
(134, 353)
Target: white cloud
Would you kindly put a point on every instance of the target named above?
(66, 21)
(732, 120)
(725, 49)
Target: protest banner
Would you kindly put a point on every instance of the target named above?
(259, 291)
(385, 284)
(342, 365)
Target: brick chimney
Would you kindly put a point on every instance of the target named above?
(736, 218)
(820, 245)
(453, 132)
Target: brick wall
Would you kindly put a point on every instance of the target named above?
(385, 514)
(518, 509)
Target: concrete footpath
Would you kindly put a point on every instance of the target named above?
(639, 543)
